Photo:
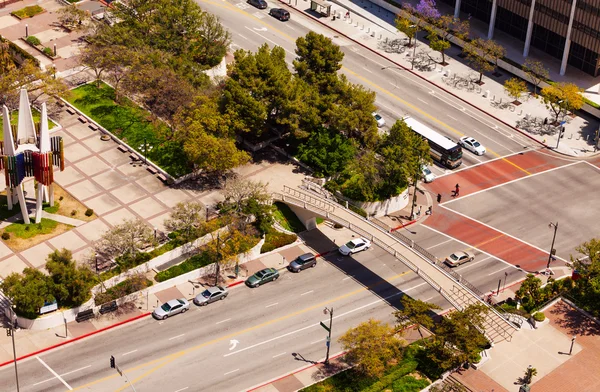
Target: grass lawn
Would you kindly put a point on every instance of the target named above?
(24, 236)
(287, 219)
(14, 118)
(132, 124)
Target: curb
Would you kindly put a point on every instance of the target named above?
(416, 74)
(404, 225)
(294, 372)
(139, 316)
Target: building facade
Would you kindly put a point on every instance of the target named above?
(566, 29)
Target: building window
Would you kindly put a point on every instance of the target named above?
(549, 42)
(511, 23)
(480, 9)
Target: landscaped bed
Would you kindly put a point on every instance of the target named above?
(67, 205)
(122, 289)
(286, 218)
(132, 124)
(28, 12)
(24, 236)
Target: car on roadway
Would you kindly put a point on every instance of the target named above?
(355, 246)
(260, 4)
(210, 295)
(380, 120)
(472, 145)
(428, 176)
(171, 308)
(458, 258)
(261, 277)
(280, 14)
(302, 262)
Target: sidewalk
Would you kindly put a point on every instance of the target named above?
(32, 342)
(374, 30)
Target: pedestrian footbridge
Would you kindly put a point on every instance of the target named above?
(451, 286)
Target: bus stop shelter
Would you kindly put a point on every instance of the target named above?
(320, 7)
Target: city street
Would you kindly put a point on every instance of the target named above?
(398, 93)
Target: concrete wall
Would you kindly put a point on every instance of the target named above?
(381, 208)
(307, 217)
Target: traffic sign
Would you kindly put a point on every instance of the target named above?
(325, 326)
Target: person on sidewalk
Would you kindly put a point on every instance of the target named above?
(456, 190)
(347, 16)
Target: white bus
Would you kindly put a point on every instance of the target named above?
(442, 149)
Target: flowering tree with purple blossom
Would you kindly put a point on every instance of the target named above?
(427, 9)
(424, 11)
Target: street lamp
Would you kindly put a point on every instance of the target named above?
(552, 250)
(412, 63)
(328, 329)
(572, 343)
(11, 332)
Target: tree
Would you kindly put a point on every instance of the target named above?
(212, 42)
(211, 153)
(530, 373)
(362, 178)
(7, 63)
(590, 264)
(371, 346)
(483, 55)
(186, 218)
(327, 152)
(415, 312)
(118, 63)
(408, 27)
(125, 239)
(427, 9)
(318, 60)
(27, 291)
(442, 29)
(29, 76)
(424, 11)
(529, 292)
(537, 73)
(561, 97)
(73, 17)
(96, 58)
(515, 88)
(71, 283)
(238, 191)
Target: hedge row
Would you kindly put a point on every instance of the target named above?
(405, 367)
(17, 50)
(122, 289)
(275, 239)
(198, 261)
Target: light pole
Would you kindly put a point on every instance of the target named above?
(504, 285)
(412, 63)
(572, 343)
(11, 331)
(555, 225)
(217, 262)
(328, 329)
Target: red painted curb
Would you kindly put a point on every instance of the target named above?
(416, 74)
(235, 284)
(404, 225)
(292, 373)
(77, 338)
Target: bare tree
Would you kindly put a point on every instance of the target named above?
(125, 239)
(238, 190)
(95, 57)
(537, 73)
(186, 218)
(73, 17)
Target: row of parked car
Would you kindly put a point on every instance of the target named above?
(218, 293)
(278, 13)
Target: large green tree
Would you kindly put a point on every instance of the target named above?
(71, 283)
(416, 312)
(327, 152)
(318, 61)
(28, 291)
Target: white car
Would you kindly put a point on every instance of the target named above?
(472, 145)
(355, 246)
(379, 119)
(428, 176)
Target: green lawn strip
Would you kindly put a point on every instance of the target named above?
(14, 119)
(51, 210)
(22, 230)
(132, 124)
(287, 219)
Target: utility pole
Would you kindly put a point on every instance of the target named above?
(328, 329)
(11, 332)
(552, 251)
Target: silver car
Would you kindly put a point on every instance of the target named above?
(211, 294)
(171, 308)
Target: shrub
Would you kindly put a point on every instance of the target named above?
(126, 287)
(33, 40)
(89, 212)
(5, 236)
(74, 212)
(275, 239)
(539, 316)
(61, 198)
(194, 262)
(48, 52)
(409, 384)
(28, 12)
(17, 51)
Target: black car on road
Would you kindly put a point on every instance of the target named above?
(280, 14)
(260, 4)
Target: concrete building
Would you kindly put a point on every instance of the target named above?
(566, 29)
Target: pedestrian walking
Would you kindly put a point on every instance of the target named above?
(456, 190)
(439, 198)
(347, 15)
(419, 211)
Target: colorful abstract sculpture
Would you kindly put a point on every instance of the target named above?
(29, 154)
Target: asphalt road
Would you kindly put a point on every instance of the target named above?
(196, 350)
(399, 93)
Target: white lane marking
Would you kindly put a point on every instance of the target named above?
(308, 292)
(244, 37)
(475, 263)
(441, 243)
(54, 373)
(317, 341)
(233, 371)
(425, 102)
(64, 374)
(451, 117)
(495, 272)
(366, 69)
(183, 389)
(128, 352)
(279, 355)
(268, 306)
(175, 337)
(317, 324)
(222, 321)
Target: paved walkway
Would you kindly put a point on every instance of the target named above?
(373, 29)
